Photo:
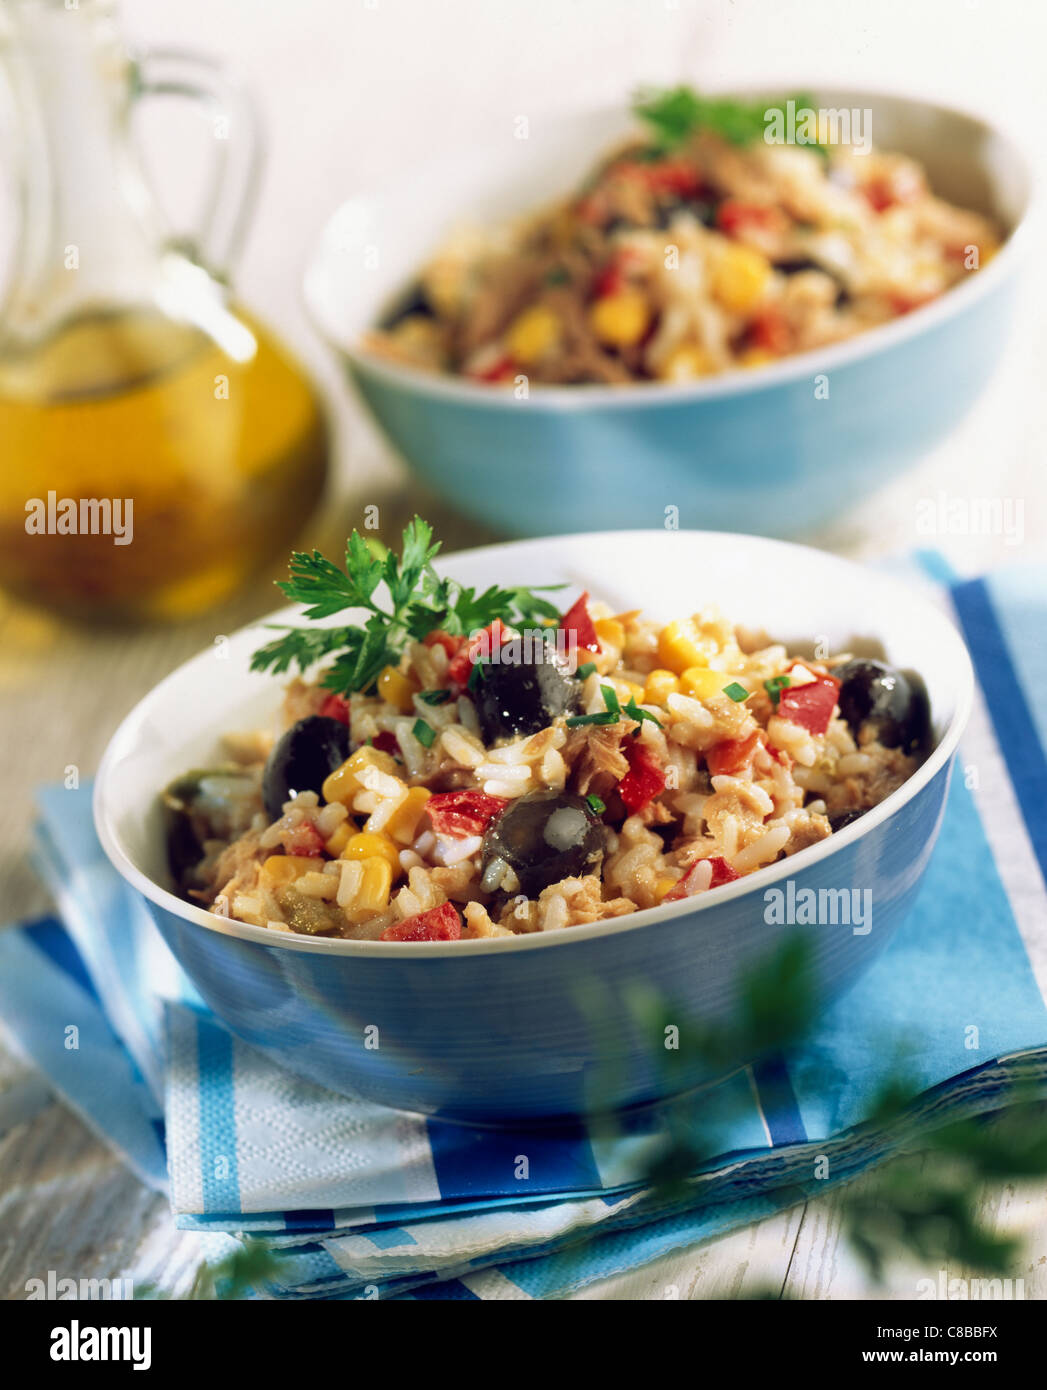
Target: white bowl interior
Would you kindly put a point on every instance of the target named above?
(793, 594)
(375, 243)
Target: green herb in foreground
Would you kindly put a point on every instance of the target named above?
(775, 686)
(595, 804)
(419, 603)
(736, 692)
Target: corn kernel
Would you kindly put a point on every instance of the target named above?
(660, 685)
(395, 687)
(701, 683)
(338, 841)
(373, 893)
(533, 334)
(610, 630)
(620, 320)
(344, 782)
(285, 868)
(402, 825)
(685, 363)
(636, 692)
(740, 278)
(372, 844)
(664, 886)
(680, 645)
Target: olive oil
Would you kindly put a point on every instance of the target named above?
(208, 436)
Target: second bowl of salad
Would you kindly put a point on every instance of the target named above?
(655, 308)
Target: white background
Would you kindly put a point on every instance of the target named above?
(354, 92)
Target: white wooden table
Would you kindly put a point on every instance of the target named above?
(65, 1202)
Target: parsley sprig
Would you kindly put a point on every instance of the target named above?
(419, 602)
(675, 113)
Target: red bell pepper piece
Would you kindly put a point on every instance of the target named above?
(439, 638)
(336, 707)
(733, 217)
(722, 873)
(464, 813)
(810, 705)
(460, 667)
(304, 840)
(386, 742)
(644, 780)
(437, 924)
(770, 331)
(578, 621)
(732, 756)
(501, 369)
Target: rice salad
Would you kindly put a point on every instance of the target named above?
(545, 770)
(696, 249)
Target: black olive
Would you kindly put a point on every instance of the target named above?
(521, 697)
(414, 302)
(893, 704)
(838, 819)
(303, 758)
(544, 837)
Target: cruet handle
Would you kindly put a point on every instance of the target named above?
(233, 183)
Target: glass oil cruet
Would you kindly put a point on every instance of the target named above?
(157, 445)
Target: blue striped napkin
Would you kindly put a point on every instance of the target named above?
(357, 1201)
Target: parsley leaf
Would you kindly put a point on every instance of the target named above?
(421, 601)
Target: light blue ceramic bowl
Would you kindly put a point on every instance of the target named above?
(546, 1025)
(761, 451)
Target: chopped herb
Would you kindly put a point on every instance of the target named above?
(595, 804)
(604, 717)
(434, 697)
(424, 733)
(774, 688)
(633, 710)
(476, 675)
(586, 670)
(736, 692)
(559, 275)
(419, 603)
(610, 699)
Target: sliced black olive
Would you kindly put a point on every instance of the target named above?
(206, 804)
(839, 819)
(520, 697)
(414, 302)
(303, 758)
(895, 705)
(544, 837)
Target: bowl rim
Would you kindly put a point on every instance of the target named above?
(645, 918)
(871, 342)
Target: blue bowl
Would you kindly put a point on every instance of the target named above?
(550, 1025)
(764, 450)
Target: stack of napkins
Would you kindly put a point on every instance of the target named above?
(357, 1201)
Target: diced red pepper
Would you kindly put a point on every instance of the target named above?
(665, 176)
(732, 756)
(386, 742)
(304, 840)
(437, 924)
(336, 707)
(733, 217)
(906, 303)
(578, 621)
(460, 667)
(645, 778)
(464, 812)
(810, 705)
(770, 331)
(721, 873)
(501, 369)
(439, 638)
